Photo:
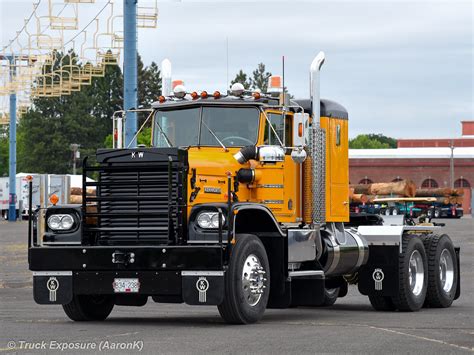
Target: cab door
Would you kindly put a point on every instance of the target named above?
(285, 190)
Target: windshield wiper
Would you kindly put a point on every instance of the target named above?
(164, 134)
(214, 135)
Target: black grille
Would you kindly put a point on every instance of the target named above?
(140, 197)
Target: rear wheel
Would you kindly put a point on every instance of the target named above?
(382, 303)
(247, 282)
(437, 213)
(442, 271)
(413, 275)
(89, 307)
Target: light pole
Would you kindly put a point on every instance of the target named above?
(130, 69)
(75, 155)
(451, 165)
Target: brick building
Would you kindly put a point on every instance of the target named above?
(425, 161)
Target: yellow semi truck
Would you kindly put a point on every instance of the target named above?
(240, 203)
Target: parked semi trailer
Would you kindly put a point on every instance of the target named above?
(239, 203)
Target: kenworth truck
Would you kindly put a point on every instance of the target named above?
(240, 203)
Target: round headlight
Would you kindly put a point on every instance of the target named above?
(204, 220)
(54, 222)
(67, 221)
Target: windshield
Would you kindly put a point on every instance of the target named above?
(233, 126)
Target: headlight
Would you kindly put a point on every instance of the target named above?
(209, 220)
(61, 222)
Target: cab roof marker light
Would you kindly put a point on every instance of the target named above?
(216, 94)
(194, 95)
(204, 94)
(237, 89)
(179, 91)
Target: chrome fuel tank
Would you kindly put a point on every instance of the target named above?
(345, 250)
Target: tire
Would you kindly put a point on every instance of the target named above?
(442, 284)
(412, 290)
(89, 307)
(247, 261)
(429, 213)
(387, 212)
(395, 212)
(382, 303)
(330, 296)
(437, 213)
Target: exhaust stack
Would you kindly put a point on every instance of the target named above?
(317, 146)
(315, 70)
(166, 77)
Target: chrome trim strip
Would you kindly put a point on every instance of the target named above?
(202, 273)
(270, 186)
(52, 273)
(306, 273)
(206, 241)
(61, 243)
(273, 202)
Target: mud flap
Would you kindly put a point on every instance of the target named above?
(203, 287)
(52, 287)
(380, 275)
(458, 260)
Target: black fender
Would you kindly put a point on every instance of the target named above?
(256, 219)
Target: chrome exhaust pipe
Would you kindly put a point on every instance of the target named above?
(317, 146)
(166, 77)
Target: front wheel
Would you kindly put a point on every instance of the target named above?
(89, 307)
(247, 282)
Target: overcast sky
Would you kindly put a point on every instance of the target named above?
(401, 68)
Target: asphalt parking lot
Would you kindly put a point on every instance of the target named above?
(350, 326)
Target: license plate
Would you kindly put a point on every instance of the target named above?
(126, 285)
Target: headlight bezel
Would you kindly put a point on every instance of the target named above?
(210, 218)
(61, 216)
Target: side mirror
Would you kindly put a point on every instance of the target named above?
(300, 129)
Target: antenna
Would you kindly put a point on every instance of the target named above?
(283, 78)
(227, 63)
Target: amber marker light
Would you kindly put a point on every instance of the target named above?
(29, 178)
(54, 199)
(300, 130)
(162, 99)
(194, 95)
(216, 94)
(204, 95)
(256, 95)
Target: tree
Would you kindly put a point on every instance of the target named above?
(149, 83)
(372, 141)
(4, 151)
(46, 131)
(260, 78)
(241, 77)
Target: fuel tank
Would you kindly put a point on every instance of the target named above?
(344, 250)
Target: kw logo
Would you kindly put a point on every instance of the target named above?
(137, 155)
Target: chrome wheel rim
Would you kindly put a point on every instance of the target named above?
(416, 273)
(446, 270)
(253, 280)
